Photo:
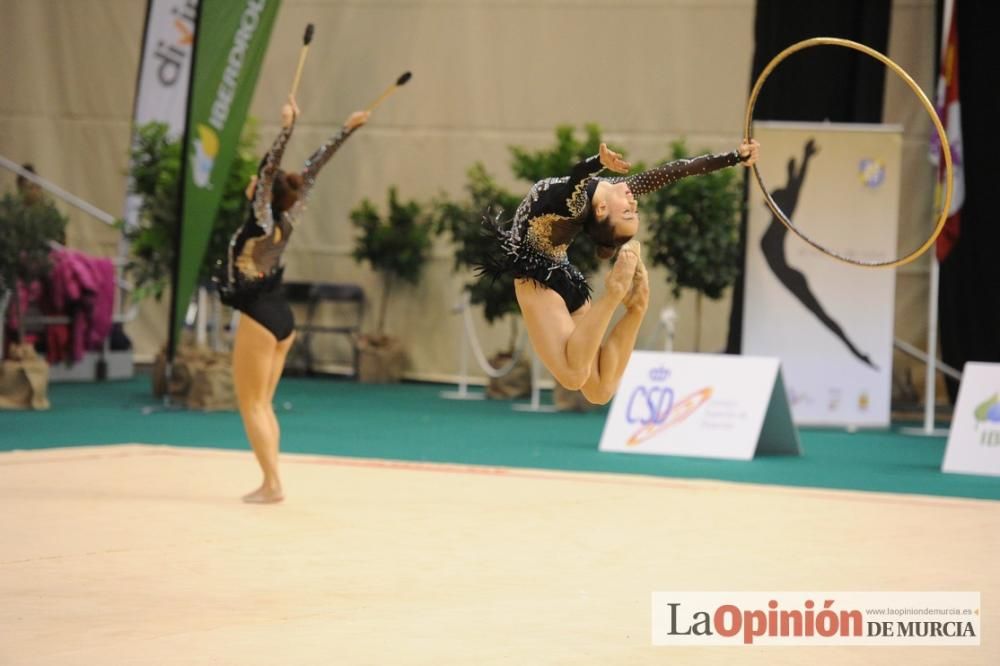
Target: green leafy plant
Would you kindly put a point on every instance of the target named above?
(694, 231)
(26, 228)
(463, 220)
(156, 163)
(396, 246)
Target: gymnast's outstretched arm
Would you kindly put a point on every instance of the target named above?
(322, 155)
(261, 184)
(665, 174)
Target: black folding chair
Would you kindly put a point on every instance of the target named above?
(316, 294)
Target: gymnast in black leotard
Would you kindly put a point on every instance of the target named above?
(252, 284)
(567, 330)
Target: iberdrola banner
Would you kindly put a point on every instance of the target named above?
(230, 41)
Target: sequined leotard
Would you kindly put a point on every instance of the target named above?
(534, 245)
(252, 279)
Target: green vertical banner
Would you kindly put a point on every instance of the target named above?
(231, 39)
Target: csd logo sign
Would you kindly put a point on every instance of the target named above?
(653, 406)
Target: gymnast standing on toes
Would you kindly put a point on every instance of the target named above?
(252, 284)
(565, 326)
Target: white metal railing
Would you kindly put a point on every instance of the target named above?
(121, 315)
(71, 199)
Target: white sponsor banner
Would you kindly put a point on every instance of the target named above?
(702, 405)
(739, 619)
(164, 71)
(974, 438)
(830, 323)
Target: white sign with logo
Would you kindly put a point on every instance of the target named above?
(974, 439)
(830, 323)
(164, 71)
(701, 405)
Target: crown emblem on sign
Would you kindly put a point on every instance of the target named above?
(659, 374)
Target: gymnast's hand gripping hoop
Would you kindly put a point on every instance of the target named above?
(945, 148)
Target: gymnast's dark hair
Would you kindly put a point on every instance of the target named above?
(284, 191)
(602, 232)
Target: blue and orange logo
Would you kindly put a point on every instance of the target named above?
(655, 408)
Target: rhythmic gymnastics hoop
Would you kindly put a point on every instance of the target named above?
(899, 71)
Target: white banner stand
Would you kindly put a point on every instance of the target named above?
(668, 318)
(931, 360)
(829, 323)
(463, 392)
(201, 318)
(701, 405)
(974, 442)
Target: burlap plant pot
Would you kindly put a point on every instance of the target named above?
(515, 384)
(381, 359)
(212, 388)
(200, 379)
(566, 400)
(24, 380)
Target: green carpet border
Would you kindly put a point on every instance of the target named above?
(411, 422)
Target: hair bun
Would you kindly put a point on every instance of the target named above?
(294, 181)
(605, 251)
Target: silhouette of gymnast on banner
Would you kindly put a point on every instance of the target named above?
(772, 243)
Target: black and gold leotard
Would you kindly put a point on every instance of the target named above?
(533, 246)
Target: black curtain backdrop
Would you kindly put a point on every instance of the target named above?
(821, 83)
(969, 297)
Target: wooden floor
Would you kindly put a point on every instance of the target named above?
(144, 555)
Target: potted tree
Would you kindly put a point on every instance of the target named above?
(396, 248)
(694, 233)
(155, 177)
(463, 222)
(155, 173)
(27, 225)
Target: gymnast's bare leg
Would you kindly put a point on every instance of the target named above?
(258, 359)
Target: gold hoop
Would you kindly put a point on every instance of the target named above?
(946, 148)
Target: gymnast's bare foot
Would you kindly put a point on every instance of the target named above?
(633, 245)
(620, 277)
(266, 494)
(637, 297)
